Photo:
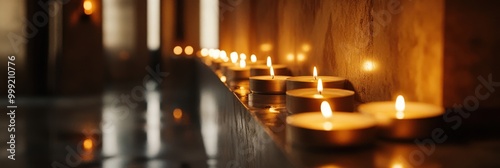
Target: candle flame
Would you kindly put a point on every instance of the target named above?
(326, 110)
(223, 55)
(253, 58)
(320, 86)
(243, 56)
(88, 7)
(234, 57)
(88, 144)
(315, 73)
(216, 54)
(269, 63)
(204, 52)
(400, 107)
(271, 72)
(243, 64)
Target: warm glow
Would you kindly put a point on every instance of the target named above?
(243, 64)
(269, 63)
(243, 56)
(223, 78)
(306, 47)
(177, 114)
(204, 52)
(326, 110)
(271, 72)
(216, 54)
(400, 107)
(315, 73)
(266, 47)
(320, 86)
(397, 165)
(88, 144)
(188, 50)
(273, 110)
(290, 57)
(368, 66)
(88, 8)
(234, 57)
(253, 58)
(223, 56)
(301, 57)
(177, 50)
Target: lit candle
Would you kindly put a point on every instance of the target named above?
(266, 100)
(298, 82)
(254, 61)
(330, 129)
(260, 70)
(309, 99)
(404, 120)
(238, 72)
(216, 61)
(269, 84)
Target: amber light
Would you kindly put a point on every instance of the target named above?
(315, 73)
(400, 107)
(326, 111)
(177, 114)
(320, 86)
(88, 7)
(88, 144)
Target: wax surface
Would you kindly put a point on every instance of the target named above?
(413, 110)
(311, 78)
(339, 121)
(313, 93)
(269, 77)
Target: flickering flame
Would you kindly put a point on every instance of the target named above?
(234, 57)
(188, 50)
(243, 56)
(177, 114)
(315, 73)
(204, 52)
(271, 71)
(216, 54)
(400, 107)
(177, 50)
(253, 58)
(397, 165)
(223, 56)
(88, 144)
(320, 86)
(326, 110)
(223, 78)
(88, 7)
(243, 64)
(269, 63)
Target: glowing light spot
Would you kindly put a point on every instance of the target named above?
(177, 114)
(290, 57)
(266, 47)
(368, 66)
(88, 144)
(320, 86)
(88, 7)
(253, 58)
(223, 78)
(177, 50)
(400, 107)
(300, 57)
(306, 47)
(243, 56)
(269, 63)
(204, 52)
(188, 50)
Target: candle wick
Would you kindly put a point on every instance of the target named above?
(319, 92)
(272, 76)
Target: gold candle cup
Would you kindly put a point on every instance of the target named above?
(238, 73)
(312, 130)
(418, 120)
(268, 84)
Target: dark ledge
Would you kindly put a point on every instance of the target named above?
(250, 134)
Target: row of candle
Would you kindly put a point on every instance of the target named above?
(317, 124)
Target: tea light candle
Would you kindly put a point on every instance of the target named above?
(260, 70)
(330, 129)
(254, 61)
(238, 72)
(404, 120)
(266, 100)
(270, 84)
(298, 82)
(309, 99)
